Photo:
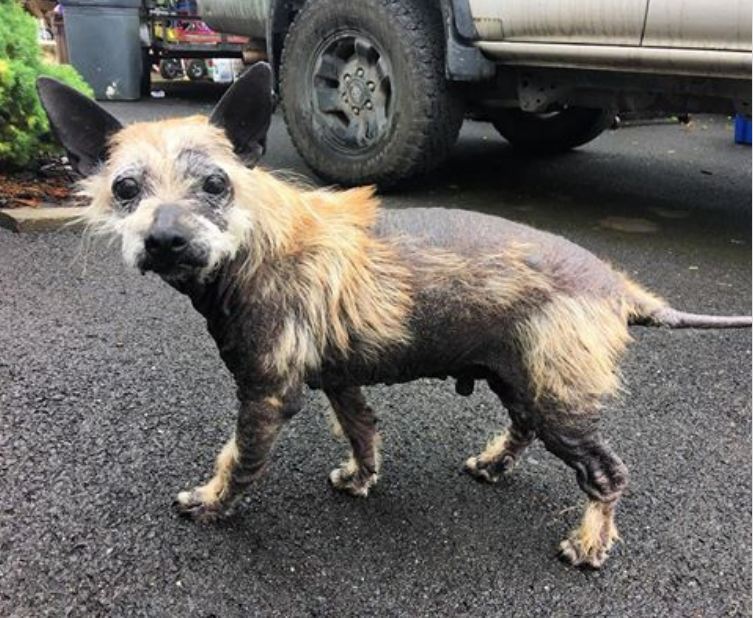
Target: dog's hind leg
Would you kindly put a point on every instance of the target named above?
(242, 459)
(600, 473)
(358, 423)
(502, 452)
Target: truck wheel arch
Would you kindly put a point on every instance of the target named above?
(463, 62)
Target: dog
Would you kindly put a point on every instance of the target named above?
(321, 288)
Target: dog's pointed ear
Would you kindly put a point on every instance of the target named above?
(78, 123)
(245, 111)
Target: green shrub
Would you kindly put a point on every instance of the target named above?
(24, 132)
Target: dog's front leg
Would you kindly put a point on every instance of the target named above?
(242, 459)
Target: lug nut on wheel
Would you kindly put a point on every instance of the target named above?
(369, 105)
(359, 72)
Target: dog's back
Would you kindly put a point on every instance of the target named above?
(570, 267)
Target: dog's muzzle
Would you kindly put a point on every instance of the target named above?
(168, 245)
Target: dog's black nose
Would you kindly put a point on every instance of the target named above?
(168, 236)
(165, 242)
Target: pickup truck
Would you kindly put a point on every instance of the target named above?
(375, 91)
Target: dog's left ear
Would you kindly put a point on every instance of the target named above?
(80, 125)
(245, 111)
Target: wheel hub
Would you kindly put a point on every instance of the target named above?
(352, 91)
(357, 92)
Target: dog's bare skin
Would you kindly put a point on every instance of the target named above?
(323, 289)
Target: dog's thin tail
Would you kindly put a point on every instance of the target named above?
(672, 318)
(645, 309)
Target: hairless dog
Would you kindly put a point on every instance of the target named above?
(323, 288)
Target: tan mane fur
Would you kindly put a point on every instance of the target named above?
(318, 247)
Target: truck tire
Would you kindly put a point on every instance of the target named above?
(170, 68)
(364, 92)
(196, 69)
(554, 132)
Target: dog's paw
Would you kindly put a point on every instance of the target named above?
(490, 473)
(573, 552)
(194, 505)
(355, 484)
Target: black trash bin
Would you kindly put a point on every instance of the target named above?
(104, 45)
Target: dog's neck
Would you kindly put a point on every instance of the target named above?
(216, 296)
(238, 326)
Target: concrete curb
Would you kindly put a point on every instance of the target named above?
(40, 219)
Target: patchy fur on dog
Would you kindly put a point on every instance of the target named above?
(322, 288)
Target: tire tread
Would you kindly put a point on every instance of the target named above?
(427, 137)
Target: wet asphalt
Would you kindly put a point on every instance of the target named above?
(113, 398)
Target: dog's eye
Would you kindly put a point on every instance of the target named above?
(126, 189)
(214, 185)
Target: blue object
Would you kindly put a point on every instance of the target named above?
(742, 129)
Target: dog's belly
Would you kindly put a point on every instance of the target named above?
(397, 369)
(447, 339)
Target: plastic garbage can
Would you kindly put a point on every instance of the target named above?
(104, 45)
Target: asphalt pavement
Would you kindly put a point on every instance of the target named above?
(113, 398)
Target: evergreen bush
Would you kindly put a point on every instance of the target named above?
(24, 132)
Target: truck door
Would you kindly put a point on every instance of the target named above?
(699, 24)
(594, 22)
